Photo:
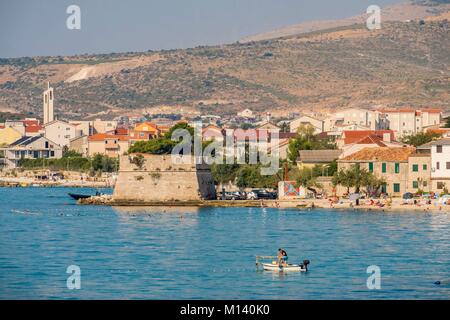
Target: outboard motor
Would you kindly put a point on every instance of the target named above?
(305, 264)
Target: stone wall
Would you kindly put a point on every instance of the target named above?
(161, 179)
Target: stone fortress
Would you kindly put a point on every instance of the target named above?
(158, 178)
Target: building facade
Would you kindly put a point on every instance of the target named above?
(440, 165)
(107, 144)
(60, 132)
(37, 147)
(389, 164)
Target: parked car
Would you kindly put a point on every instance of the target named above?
(261, 194)
(238, 195)
(252, 195)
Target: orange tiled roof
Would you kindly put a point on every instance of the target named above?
(432, 110)
(355, 136)
(392, 110)
(150, 126)
(104, 136)
(372, 139)
(33, 128)
(381, 154)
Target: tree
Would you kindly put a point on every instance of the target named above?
(357, 178)
(420, 138)
(447, 123)
(307, 177)
(161, 145)
(306, 140)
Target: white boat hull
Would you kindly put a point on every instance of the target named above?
(289, 267)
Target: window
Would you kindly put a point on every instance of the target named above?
(46, 144)
(370, 166)
(425, 183)
(397, 167)
(440, 185)
(425, 167)
(396, 187)
(383, 167)
(415, 168)
(438, 165)
(52, 153)
(415, 184)
(439, 149)
(447, 165)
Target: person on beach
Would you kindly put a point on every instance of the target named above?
(282, 257)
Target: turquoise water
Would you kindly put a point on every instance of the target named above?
(190, 253)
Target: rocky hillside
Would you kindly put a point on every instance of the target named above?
(403, 64)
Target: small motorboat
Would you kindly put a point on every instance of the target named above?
(302, 267)
(274, 266)
(79, 196)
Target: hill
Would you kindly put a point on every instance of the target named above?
(403, 64)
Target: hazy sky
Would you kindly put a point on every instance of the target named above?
(31, 28)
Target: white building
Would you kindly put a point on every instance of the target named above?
(36, 147)
(90, 127)
(305, 120)
(440, 164)
(60, 132)
(407, 121)
(362, 118)
(247, 113)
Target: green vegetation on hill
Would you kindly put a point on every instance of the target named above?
(404, 63)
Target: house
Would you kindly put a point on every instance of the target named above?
(310, 158)
(351, 137)
(390, 164)
(212, 132)
(33, 127)
(267, 125)
(37, 147)
(419, 175)
(8, 135)
(95, 126)
(60, 132)
(80, 145)
(408, 121)
(143, 132)
(316, 123)
(247, 113)
(107, 144)
(440, 164)
(369, 141)
(363, 118)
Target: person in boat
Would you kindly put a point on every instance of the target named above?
(282, 257)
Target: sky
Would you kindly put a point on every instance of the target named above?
(38, 28)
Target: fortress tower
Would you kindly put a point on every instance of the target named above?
(48, 98)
